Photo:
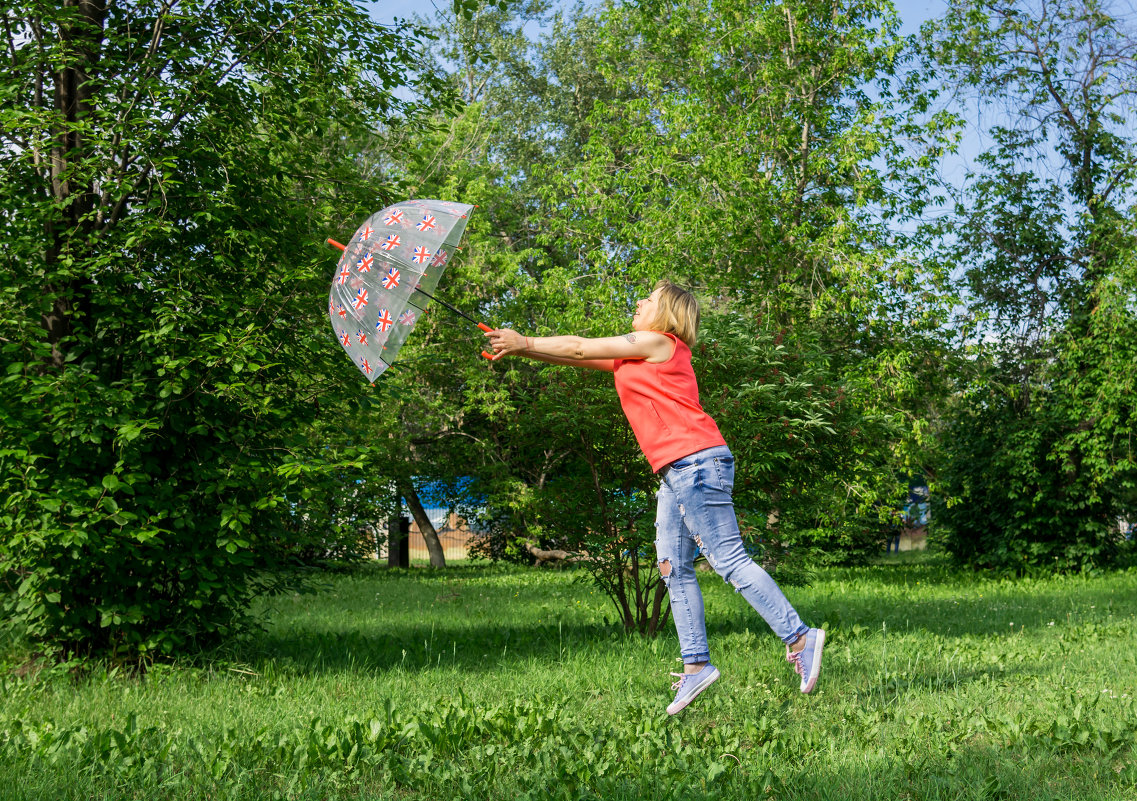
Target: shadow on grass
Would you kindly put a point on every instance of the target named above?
(377, 619)
(924, 592)
(422, 647)
(431, 629)
(989, 610)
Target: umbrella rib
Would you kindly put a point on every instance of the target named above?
(454, 309)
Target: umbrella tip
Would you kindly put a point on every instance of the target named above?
(335, 244)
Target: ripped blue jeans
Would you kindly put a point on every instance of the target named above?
(695, 512)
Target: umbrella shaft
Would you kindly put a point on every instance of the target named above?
(457, 311)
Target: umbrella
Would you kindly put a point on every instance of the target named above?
(386, 275)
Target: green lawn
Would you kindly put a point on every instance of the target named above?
(494, 682)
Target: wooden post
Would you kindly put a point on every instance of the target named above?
(398, 541)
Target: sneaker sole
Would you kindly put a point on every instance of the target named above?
(815, 667)
(679, 706)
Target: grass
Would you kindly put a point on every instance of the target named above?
(496, 682)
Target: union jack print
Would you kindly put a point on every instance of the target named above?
(366, 233)
(345, 340)
(407, 318)
(385, 322)
(341, 310)
(421, 255)
(361, 335)
(360, 299)
(366, 365)
(426, 224)
(345, 274)
(391, 242)
(439, 258)
(393, 217)
(391, 280)
(365, 263)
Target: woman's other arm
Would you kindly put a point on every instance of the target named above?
(607, 365)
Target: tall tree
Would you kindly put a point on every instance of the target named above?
(1043, 235)
(168, 168)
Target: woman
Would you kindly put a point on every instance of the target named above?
(659, 395)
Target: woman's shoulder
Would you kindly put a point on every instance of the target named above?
(660, 348)
(681, 347)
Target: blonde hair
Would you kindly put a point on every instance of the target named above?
(677, 312)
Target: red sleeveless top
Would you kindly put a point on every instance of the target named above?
(661, 402)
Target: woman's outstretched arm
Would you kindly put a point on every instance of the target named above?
(594, 353)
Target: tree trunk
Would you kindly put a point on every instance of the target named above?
(73, 102)
(433, 545)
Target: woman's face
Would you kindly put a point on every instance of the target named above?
(644, 317)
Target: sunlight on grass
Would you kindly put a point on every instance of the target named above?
(496, 682)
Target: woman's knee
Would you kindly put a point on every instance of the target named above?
(672, 566)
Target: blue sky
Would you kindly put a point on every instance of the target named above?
(912, 12)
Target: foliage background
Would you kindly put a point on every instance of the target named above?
(177, 424)
(168, 388)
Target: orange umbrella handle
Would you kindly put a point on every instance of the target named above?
(487, 329)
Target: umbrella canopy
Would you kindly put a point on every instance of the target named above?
(385, 276)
